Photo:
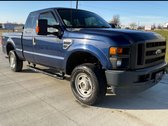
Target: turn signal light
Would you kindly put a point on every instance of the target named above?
(115, 50)
(37, 29)
(119, 50)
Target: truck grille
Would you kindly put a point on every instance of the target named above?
(150, 54)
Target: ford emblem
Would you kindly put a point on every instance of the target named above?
(159, 51)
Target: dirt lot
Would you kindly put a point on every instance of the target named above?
(34, 99)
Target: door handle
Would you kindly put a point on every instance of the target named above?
(33, 40)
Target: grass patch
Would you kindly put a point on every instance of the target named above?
(164, 33)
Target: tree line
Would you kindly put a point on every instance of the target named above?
(116, 23)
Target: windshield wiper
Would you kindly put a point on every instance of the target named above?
(98, 27)
(104, 27)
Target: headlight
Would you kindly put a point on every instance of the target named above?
(119, 62)
(119, 57)
(116, 62)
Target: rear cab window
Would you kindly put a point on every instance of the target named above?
(31, 21)
(29, 28)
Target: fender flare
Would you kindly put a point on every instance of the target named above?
(89, 49)
(10, 41)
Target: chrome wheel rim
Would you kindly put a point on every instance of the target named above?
(12, 61)
(83, 85)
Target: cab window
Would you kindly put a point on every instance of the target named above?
(30, 21)
(50, 18)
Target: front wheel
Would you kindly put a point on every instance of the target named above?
(88, 84)
(15, 63)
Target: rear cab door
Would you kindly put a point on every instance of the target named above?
(28, 34)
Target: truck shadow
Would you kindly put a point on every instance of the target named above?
(28, 71)
(154, 98)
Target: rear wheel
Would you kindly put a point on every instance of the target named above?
(88, 84)
(15, 63)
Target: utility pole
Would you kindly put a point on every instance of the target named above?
(76, 4)
(138, 24)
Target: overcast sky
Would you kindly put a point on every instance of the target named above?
(142, 13)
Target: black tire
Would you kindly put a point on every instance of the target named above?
(16, 65)
(96, 77)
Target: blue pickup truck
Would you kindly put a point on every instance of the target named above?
(82, 45)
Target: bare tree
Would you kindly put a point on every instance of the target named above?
(133, 25)
(141, 27)
(115, 20)
(159, 26)
(153, 26)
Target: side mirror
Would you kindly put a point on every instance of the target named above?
(56, 30)
(41, 27)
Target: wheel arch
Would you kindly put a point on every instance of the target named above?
(10, 46)
(78, 54)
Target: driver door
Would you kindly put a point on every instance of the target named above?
(49, 48)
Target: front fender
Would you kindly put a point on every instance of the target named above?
(89, 49)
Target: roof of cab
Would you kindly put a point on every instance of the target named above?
(37, 11)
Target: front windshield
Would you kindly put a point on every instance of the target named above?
(81, 19)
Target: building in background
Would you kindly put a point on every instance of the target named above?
(9, 26)
(148, 28)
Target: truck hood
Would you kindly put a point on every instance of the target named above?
(115, 35)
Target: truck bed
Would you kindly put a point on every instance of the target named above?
(15, 39)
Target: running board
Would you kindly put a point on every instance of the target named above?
(55, 75)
